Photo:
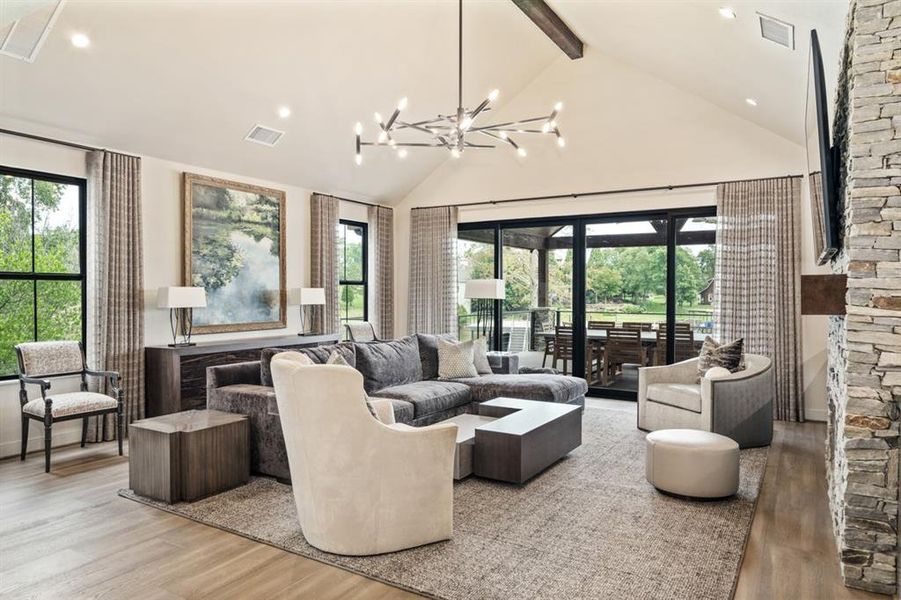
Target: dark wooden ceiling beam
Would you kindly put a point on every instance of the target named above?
(552, 25)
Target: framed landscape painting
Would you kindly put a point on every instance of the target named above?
(234, 248)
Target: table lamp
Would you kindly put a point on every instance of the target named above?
(181, 302)
(306, 297)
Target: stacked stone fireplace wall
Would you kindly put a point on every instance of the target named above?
(865, 345)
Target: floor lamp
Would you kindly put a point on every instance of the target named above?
(484, 292)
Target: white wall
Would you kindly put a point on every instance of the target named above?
(162, 245)
(623, 129)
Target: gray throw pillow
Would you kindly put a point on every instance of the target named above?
(455, 360)
(337, 359)
(728, 356)
(480, 356)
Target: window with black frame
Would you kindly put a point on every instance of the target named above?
(352, 271)
(42, 260)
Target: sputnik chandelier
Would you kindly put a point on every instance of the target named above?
(459, 131)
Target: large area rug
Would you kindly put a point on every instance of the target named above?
(589, 527)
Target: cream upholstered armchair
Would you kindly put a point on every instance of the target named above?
(738, 405)
(361, 486)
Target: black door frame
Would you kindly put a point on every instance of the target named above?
(579, 224)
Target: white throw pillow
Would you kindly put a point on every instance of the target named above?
(480, 356)
(455, 360)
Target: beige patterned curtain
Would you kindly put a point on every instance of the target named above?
(116, 281)
(381, 260)
(433, 270)
(758, 279)
(324, 260)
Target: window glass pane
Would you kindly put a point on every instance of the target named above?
(695, 263)
(16, 320)
(15, 224)
(59, 310)
(475, 260)
(352, 253)
(351, 302)
(56, 227)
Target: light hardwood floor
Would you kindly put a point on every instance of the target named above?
(68, 535)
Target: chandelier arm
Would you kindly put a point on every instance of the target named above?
(460, 56)
(513, 130)
(511, 123)
(402, 125)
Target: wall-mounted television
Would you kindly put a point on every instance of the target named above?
(822, 161)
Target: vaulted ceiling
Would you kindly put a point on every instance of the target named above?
(186, 81)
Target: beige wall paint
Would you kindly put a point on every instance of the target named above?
(623, 129)
(162, 225)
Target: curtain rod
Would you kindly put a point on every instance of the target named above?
(657, 188)
(48, 140)
(356, 201)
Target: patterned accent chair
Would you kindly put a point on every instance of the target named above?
(38, 361)
(360, 331)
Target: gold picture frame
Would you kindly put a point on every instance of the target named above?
(227, 226)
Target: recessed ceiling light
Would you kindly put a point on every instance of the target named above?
(751, 101)
(727, 13)
(80, 40)
(284, 112)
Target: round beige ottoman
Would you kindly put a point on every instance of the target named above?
(694, 463)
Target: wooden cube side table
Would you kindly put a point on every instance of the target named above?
(188, 455)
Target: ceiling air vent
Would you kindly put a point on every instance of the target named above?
(777, 31)
(264, 135)
(25, 25)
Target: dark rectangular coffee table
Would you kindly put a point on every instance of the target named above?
(526, 437)
(188, 455)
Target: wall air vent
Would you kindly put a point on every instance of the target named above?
(777, 31)
(264, 135)
(25, 25)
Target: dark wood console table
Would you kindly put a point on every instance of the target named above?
(175, 378)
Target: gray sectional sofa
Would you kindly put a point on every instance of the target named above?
(404, 371)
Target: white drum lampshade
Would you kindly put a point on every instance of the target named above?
(306, 296)
(484, 288)
(181, 297)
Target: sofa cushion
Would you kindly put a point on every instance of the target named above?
(549, 388)
(403, 410)
(428, 352)
(428, 397)
(318, 354)
(680, 395)
(388, 364)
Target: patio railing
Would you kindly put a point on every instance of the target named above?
(522, 327)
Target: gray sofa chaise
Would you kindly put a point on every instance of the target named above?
(404, 371)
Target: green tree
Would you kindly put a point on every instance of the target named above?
(707, 263)
(56, 251)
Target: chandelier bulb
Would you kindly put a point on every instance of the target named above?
(466, 123)
(358, 158)
(358, 128)
(455, 153)
(391, 143)
(378, 118)
(383, 135)
(546, 127)
(493, 95)
(521, 152)
(558, 107)
(561, 141)
(503, 135)
(402, 103)
(553, 124)
(402, 153)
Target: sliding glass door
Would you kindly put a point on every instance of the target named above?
(595, 296)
